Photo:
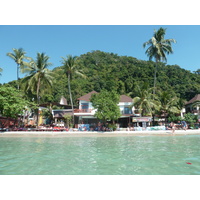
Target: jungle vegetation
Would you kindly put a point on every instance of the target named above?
(108, 71)
(121, 74)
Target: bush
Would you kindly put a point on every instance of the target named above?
(112, 127)
(174, 118)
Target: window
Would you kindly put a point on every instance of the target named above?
(84, 106)
(127, 110)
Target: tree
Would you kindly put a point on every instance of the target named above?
(47, 113)
(190, 118)
(158, 48)
(68, 120)
(144, 101)
(106, 104)
(197, 72)
(70, 67)
(12, 103)
(1, 71)
(18, 56)
(40, 78)
(168, 103)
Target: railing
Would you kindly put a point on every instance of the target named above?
(82, 110)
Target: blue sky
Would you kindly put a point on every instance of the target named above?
(127, 40)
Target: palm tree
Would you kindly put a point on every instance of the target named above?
(144, 100)
(70, 67)
(158, 48)
(1, 71)
(39, 78)
(181, 105)
(18, 56)
(168, 103)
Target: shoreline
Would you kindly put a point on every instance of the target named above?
(97, 134)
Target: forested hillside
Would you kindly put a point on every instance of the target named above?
(121, 73)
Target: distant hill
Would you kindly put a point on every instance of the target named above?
(123, 73)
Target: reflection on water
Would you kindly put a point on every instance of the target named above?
(100, 155)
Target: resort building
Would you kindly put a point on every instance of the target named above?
(85, 113)
(193, 106)
(58, 114)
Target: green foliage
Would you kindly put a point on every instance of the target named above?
(159, 46)
(12, 102)
(71, 67)
(106, 104)
(68, 120)
(18, 55)
(174, 118)
(168, 102)
(112, 127)
(190, 118)
(40, 78)
(144, 101)
(117, 73)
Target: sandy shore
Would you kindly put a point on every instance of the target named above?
(97, 134)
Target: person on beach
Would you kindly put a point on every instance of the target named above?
(184, 125)
(172, 125)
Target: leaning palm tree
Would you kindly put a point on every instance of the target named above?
(70, 67)
(18, 56)
(158, 48)
(39, 77)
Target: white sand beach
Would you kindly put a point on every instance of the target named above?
(96, 134)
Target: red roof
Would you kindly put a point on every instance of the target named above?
(124, 98)
(86, 97)
(196, 98)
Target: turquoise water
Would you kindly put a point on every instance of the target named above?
(136, 155)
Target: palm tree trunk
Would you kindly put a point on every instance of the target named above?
(37, 116)
(70, 94)
(18, 76)
(154, 90)
(154, 84)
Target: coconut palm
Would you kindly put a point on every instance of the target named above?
(144, 100)
(18, 56)
(70, 67)
(158, 48)
(39, 77)
(168, 103)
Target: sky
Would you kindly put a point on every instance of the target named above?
(57, 41)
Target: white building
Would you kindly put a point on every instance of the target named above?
(85, 112)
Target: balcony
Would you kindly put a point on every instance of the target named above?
(83, 110)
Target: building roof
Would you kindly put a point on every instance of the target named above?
(123, 98)
(87, 97)
(194, 99)
(63, 101)
(61, 113)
